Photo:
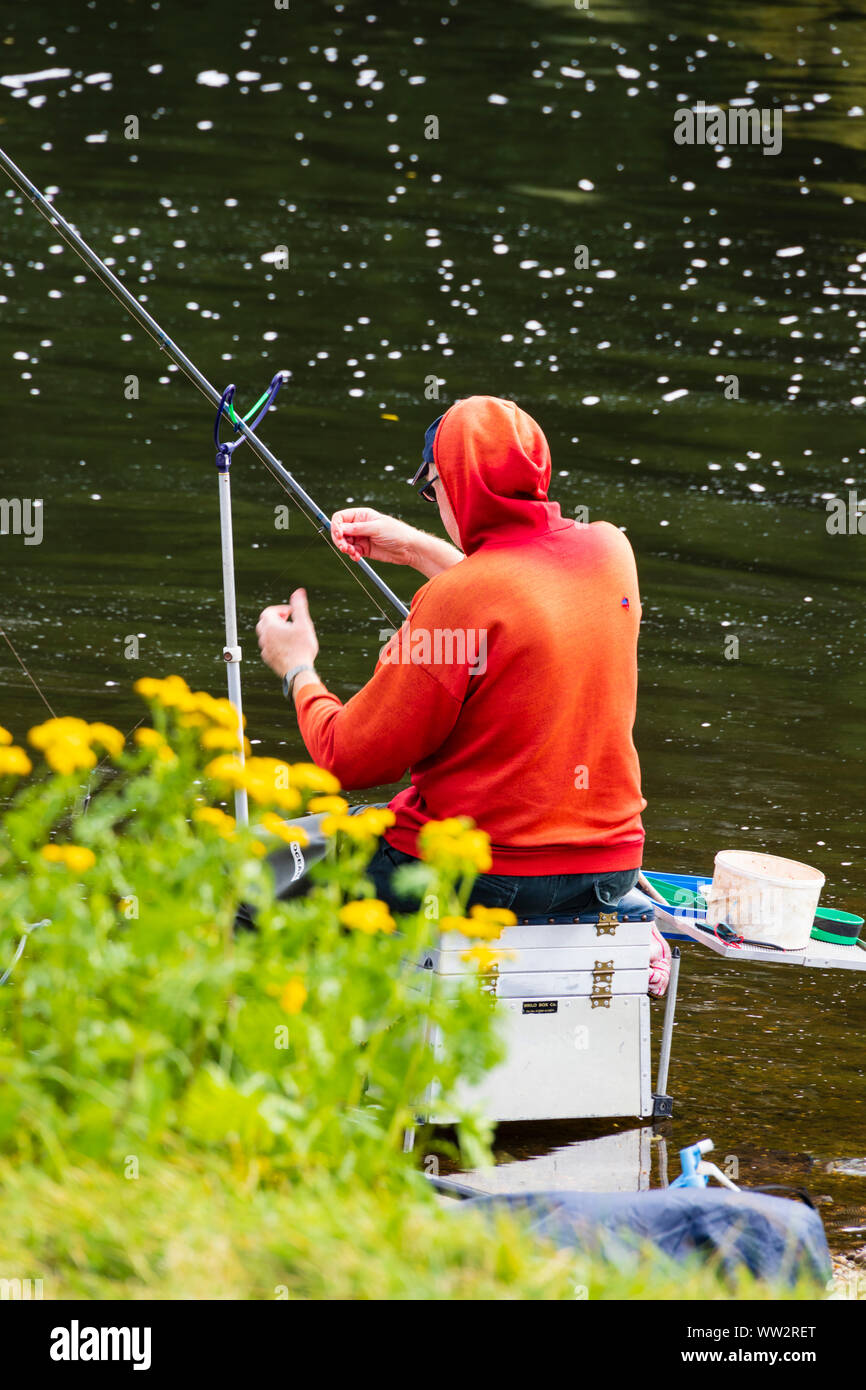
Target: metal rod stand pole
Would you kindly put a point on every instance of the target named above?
(231, 651)
(668, 1029)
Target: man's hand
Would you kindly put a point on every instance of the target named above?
(286, 635)
(365, 534)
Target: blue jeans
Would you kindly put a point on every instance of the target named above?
(539, 895)
(536, 895)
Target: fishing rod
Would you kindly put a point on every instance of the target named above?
(146, 320)
(232, 652)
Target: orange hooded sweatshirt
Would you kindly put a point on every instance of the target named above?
(509, 693)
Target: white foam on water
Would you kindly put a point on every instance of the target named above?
(212, 78)
(27, 78)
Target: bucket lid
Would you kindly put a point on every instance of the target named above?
(771, 868)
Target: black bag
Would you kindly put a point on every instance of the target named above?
(290, 865)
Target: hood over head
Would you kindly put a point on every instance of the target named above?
(494, 464)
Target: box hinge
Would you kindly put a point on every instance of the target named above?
(602, 984)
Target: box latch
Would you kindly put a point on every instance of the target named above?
(606, 924)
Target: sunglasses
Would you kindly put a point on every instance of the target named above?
(424, 483)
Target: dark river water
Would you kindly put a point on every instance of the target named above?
(489, 197)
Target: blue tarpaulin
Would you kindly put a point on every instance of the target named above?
(773, 1237)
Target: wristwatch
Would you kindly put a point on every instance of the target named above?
(289, 679)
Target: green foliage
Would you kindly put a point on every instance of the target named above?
(137, 1020)
(190, 1111)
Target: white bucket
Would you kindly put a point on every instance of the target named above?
(764, 897)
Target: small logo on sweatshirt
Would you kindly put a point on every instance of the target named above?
(624, 603)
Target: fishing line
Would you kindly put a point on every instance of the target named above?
(145, 320)
(46, 922)
(304, 502)
(32, 679)
(319, 529)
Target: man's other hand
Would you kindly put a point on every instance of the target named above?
(286, 635)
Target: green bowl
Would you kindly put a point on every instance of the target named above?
(839, 928)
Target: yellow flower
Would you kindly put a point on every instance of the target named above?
(331, 824)
(148, 738)
(75, 857)
(56, 731)
(335, 804)
(226, 769)
(310, 778)
(503, 916)
(14, 762)
(269, 782)
(287, 799)
(478, 929)
(372, 821)
(454, 844)
(486, 923)
(196, 706)
(218, 737)
(107, 737)
(369, 915)
(148, 687)
(220, 711)
(69, 755)
(484, 957)
(153, 739)
(5, 736)
(172, 692)
(293, 995)
(193, 721)
(67, 742)
(222, 823)
(364, 826)
(258, 849)
(290, 834)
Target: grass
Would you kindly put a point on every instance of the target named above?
(194, 1229)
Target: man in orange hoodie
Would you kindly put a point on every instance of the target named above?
(509, 693)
